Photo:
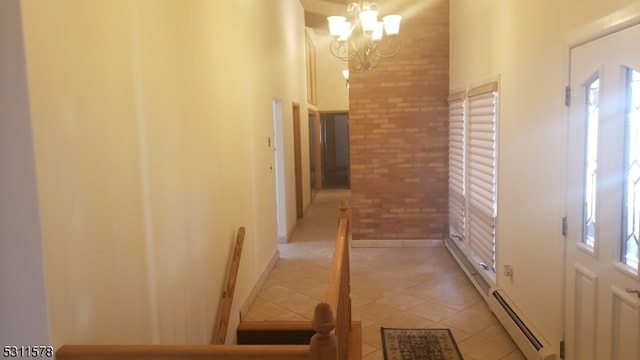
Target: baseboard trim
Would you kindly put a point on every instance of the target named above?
(256, 288)
(398, 243)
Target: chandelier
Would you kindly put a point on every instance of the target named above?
(361, 37)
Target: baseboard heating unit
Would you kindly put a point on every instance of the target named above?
(530, 344)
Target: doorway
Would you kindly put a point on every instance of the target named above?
(315, 156)
(334, 150)
(602, 316)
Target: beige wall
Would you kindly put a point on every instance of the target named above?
(523, 42)
(333, 95)
(151, 122)
(23, 310)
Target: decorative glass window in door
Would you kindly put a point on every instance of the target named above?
(591, 164)
(631, 198)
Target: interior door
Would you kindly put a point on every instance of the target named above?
(603, 215)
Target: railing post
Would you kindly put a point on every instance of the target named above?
(344, 207)
(324, 345)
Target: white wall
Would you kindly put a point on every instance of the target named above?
(23, 311)
(150, 122)
(522, 42)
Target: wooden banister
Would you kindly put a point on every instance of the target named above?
(175, 352)
(338, 293)
(220, 334)
(333, 315)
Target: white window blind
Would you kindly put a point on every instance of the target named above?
(481, 173)
(457, 165)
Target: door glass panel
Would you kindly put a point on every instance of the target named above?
(591, 164)
(631, 203)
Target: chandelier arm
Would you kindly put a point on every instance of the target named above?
(394, 52)
(353, 9)
(340, 50)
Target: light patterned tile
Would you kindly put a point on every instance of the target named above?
(498, 334)
(456, 301)
(376, 311)
(407, 320)
(401, 301)
(470, 321)
(371, 335)
(266, 311)
(376, 355)
(368, 349)
(476, 347)
(418, 285)
(434, 312)
(514, 355)
(275, 294)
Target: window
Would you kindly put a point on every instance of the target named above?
(472, 173)
(631, 186)
(457, 165)
(481, 172)
(591, 164)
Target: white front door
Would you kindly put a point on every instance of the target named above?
(603, 215)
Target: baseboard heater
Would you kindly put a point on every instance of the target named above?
(531, 345)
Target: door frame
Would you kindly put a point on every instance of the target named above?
(279, 170)
(297, 154)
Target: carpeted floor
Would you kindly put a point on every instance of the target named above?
(419, 344)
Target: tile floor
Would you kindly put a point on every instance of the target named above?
(391, 287)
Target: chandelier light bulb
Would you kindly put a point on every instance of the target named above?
(336, 24)
(345, 29)
(368, 19)
(392, 24)
(377, 31)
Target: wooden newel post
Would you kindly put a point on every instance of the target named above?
(324, 345)
(344, 207)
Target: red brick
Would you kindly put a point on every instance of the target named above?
(399, 135)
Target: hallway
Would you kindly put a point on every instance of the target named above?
(391, 287)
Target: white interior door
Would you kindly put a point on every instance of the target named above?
(603, 215)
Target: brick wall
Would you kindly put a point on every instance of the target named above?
(398, 134)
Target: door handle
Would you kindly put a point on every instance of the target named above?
(631, 291)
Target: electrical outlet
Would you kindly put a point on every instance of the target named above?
(508, 270)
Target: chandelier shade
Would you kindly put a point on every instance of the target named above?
(364, 41)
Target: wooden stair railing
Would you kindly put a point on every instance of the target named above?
(176, 352)
(347, 333)
(322, 348)
(220, 334)
(336, 335)
(338, 294)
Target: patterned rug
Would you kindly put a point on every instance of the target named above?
(419, 344)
